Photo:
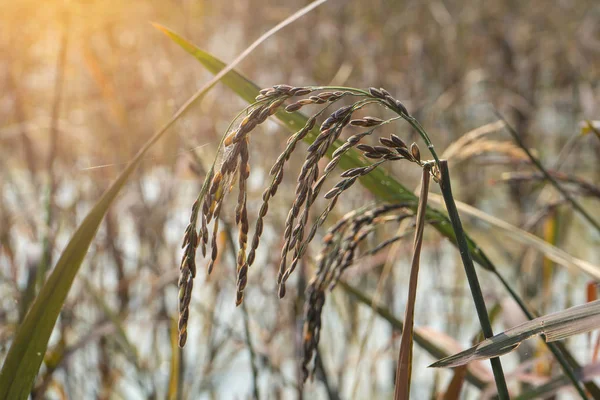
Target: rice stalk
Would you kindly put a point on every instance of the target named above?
(404, 368)
(471, 275)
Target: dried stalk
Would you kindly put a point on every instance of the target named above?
(404, 368)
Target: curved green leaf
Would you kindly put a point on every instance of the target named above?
(31, 340)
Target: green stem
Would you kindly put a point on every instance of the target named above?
(463, 247)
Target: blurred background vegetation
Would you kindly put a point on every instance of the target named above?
(85, 83)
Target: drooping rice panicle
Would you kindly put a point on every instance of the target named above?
(337, 253)
(331, 129)
(234, 159)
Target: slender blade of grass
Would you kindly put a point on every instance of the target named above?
(404, 368)
(31, 340)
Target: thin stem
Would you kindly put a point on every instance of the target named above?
(404, 368)
(465, 254)
(548, 176)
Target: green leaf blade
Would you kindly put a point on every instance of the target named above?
(27, 351)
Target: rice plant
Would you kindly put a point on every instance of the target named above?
(340, 244)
